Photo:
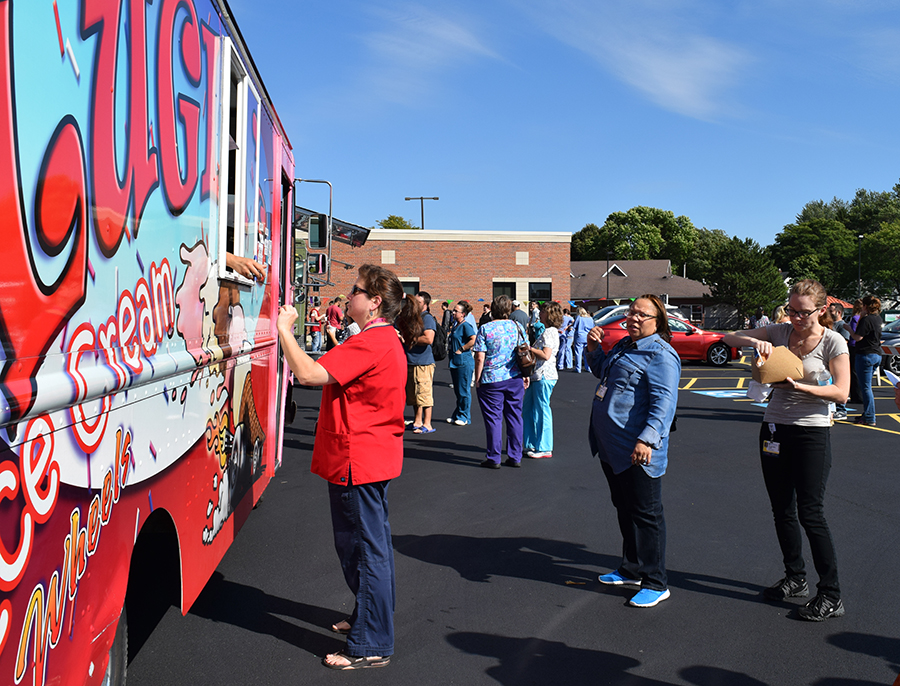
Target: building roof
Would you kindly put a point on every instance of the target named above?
(832, 299)
(629, 279)
(470, 235)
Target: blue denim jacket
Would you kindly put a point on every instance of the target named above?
(641, 379)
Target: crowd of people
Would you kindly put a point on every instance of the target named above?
(512, 361)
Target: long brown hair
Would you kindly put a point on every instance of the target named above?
(396, 307)
(872, 304)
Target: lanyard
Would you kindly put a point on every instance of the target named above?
(377, 320)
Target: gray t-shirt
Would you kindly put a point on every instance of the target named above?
(797, 407)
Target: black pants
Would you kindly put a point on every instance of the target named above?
(637, 498)
(795, 479)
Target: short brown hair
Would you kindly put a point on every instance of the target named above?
(501, 307)
(554, 313)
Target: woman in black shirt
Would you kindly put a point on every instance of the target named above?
(868, 355)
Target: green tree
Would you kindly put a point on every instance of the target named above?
(820, 249)
(837, 209)
(707, 245)
(870, 209)
(744, 275)
(395, 221)
(641, 233)
(880, 268)
(587, 244)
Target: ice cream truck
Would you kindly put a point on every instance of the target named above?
(145, 181)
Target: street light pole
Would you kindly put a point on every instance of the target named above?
(607, 277)
(859, 267)
(422, 203)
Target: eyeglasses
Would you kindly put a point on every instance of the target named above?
(802, 314)
(356, 289)
(640, 316)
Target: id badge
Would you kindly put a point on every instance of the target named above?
(601, 391)
(771, 447)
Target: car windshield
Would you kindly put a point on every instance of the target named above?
(601, 314)
(609, 319)
(892, 327)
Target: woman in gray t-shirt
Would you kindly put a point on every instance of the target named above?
(795, 444)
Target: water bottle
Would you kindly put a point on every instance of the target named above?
(823, 378)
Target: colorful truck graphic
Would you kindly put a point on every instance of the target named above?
(141, 385)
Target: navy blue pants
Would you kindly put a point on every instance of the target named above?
(637, 498)
(362, 539)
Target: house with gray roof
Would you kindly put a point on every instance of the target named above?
(596, 284)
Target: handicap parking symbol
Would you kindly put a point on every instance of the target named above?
(724, 394)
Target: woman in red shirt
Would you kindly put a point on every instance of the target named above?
(359, 449)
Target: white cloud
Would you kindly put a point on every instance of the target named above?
(416, 45)
(651, 46)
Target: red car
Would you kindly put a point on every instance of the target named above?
(689, 342)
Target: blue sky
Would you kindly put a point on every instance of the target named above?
(550, 114)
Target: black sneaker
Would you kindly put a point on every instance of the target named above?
(788, 587)
(821, 608)
(490, 464)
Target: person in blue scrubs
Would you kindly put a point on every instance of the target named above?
(462, 362)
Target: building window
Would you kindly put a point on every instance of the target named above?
(410, 287)
(239, 210)
(507, 288)
(542, 292)
(388, 257)
(522, 258)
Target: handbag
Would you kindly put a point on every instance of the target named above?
(524, 355)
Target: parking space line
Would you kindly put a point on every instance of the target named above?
(724, 387)
(874, 428)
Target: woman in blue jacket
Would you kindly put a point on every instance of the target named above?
(633, 409)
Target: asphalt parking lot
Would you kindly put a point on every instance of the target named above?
(496, 570)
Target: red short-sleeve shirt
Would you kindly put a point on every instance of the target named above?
(360, 429)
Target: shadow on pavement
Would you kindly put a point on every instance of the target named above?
(249, 608)
(478, 559)
(716, 676)
(884, 647)
(525, 661)
(555, 562)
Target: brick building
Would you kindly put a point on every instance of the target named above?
(462, 265)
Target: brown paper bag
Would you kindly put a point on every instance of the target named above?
(778, 366)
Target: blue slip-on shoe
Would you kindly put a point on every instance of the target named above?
(616, 579)
(647, 597)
